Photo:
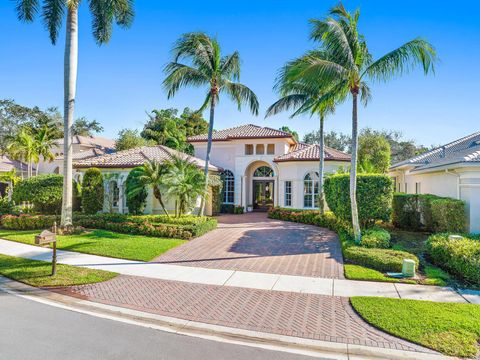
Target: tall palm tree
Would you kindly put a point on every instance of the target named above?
(207, 67)
(151, 174)
(44, 143)
(104, 13)
(349, 65)
(23, 147)
(303, 97)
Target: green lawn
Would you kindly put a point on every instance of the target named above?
(37, 273)
(356, 272)
(450, 328)
(104, 243)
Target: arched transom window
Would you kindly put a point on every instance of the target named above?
(228, 187)
(310, 190)
(263, 171)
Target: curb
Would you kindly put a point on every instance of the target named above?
(316, 348)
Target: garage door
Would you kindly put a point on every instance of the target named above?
(471, 194)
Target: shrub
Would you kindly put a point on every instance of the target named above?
(227, 208)
(374, 197)
(238, 210)
(379, 259)
(77, 196)
(6, 206)
(43, 191)
(92, 191)
(459, 257)
(135, 202)
(428, 212)
(28, 222)
(376, 238)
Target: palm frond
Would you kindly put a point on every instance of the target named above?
(102, 20)
(241, 94)
(292, 101)
(124, 12)
(53, 11)
(197, 47)
(403, 60)
(230, 66)
(26, 9)
(206, 103)
(365, 93)
(179, 75)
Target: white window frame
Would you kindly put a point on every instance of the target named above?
(228, 187)
(287, 191)
(311, 190)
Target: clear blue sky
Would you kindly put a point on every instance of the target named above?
(119, 81)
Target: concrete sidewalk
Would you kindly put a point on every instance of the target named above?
(242, 279)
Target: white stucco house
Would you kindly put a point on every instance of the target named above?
(115, 168)
(452, 170)
(265, 167)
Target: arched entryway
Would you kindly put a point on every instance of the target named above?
(260, 181)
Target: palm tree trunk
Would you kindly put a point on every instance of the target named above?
(209, 148)
(353, 172)
(158, 196)
(70, 84)
(321, 170)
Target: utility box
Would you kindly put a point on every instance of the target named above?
(408, 268)
(455, 237)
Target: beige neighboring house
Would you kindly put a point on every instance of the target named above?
(452, 170)
(265, 167)
(115, 168)
(84, 147)
(7, 165)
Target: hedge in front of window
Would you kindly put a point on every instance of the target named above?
(374, 197)
(92, 191)
(43, 191)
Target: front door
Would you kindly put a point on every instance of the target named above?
(262, 194)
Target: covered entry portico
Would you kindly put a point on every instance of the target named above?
(260, 186)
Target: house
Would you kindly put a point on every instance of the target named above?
(452, 170)
(115, 168)
(83, 147)
(264, 167)
(6, 166)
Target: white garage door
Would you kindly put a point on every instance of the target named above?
(471, 194)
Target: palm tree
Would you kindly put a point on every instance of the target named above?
(347, 67)
(104, 13)
(207, 67)
(23, 147)
(303, 97)
(44, 143)
(150, 174)
(185, 183)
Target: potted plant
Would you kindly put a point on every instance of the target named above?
(249, 208)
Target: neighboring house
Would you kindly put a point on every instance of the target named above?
(115, 168)
(83, 147)
(265, 167)
(452, 170)
(7, 165)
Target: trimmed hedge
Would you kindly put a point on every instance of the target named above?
(378, 259)
(376, 238)
(135, 203)
(43, 191)
(459, 257)
(92, 191)
(428, 212)
(184, 228)
(374, 197)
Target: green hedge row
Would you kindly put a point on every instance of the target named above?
(429, 212)
(127, 224)
(43, 191)
(376, 238)
(460, 257)
(374, 197)
(378, 259)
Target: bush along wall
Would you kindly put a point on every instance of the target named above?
(458, 256)
(429, 213)
(136, 201)
(92, 191)
(374, 197)
(43, 191)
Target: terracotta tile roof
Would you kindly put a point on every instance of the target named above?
(305, 152)
(248, 131)
(93, 141)
(137, 157)
(464, 150)
(7, 164)
(85, 154)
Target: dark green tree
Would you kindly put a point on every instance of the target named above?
(92, 191)
(84, 127)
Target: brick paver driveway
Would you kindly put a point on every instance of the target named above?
(252, 242)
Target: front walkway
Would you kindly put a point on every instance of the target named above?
(254, 243)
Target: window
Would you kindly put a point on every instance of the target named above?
(260, 149)
(263, 171)
(288, 193)
(310, 190)
(418, 189)
(228, 187)
(248, 149)
(114, 193)
(406, 188)
(271, 149)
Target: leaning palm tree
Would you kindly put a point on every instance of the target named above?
(23, 147)
(151, 174)
(304, 98)
(104, 13)
(348, 67)
(207, 67)
(44, 144)
(184, 183)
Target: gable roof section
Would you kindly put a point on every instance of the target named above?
(92, 141)
(137, 157)
(248, 131)
(305, 152)
(7, 164)
(464, 150)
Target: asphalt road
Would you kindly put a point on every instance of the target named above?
(31, 330)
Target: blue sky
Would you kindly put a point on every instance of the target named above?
(119, 81)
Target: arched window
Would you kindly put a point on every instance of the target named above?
(263, 171)
(228, 187)
(310, 190)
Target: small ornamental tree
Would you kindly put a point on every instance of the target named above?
(136, 194)
(92, 191)
(43, 191)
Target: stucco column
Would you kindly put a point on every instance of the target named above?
(121, 194)
(106, 195)
(243, 195)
